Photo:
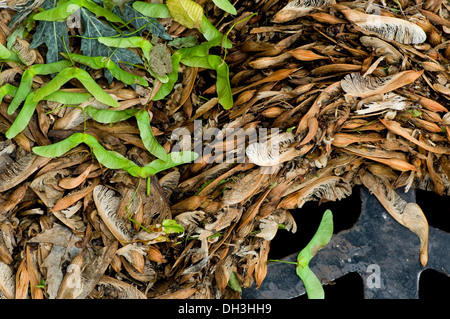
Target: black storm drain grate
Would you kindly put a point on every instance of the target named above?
(383, 252)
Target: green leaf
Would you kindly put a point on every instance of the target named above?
(319, 240)
(51, 33)
(322, 236)
(186, 12)
(60, 148)
(64, 76)
(110, 116)
(223, 86)
(109, 159)
(211, 34)
(214, 62)
(69, 98)
(313, 287)
(153, 10)
(4, 52)
(147, 137)
(172, 227)
(27, 80)
(7, 89)
(23, 118)
(174, 159)
(225, 5)
(234, 283)
(104, 62)
(63, 11)
(130, 42)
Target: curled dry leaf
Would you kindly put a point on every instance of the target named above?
(73, 182)
(408, 214)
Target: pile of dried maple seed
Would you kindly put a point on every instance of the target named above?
(360, 92)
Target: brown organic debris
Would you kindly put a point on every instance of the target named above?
(341, 94)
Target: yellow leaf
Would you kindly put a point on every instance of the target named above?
(186, 12)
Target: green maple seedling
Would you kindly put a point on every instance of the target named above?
(143, 121)
(322, 236)
(27, 80)
(69, 73)
(97, 63)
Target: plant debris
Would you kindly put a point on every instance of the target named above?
(110, 208)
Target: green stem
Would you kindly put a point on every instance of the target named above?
(282, 261)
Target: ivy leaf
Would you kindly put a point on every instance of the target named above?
(110, 4)
(51, 33)
(143, 23)
(90, 46)
(186, 12)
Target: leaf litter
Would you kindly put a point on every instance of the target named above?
(359, 90)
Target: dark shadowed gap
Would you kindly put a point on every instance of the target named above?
(436, 209)
(434, 285)
(345, 214)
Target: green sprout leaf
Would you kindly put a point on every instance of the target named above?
(172, 227)
(23, 117)
(64, 76)
(7, 89)
(225, 5)
(112, 159)
(320, 239)
(153, 10)
(174, 159)
(27, 80)
(149, 140)
(110, 116)
(234, 283)
(106, 63)
(63, 11)
(214, 62)
(4, 52)
(143, 122)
